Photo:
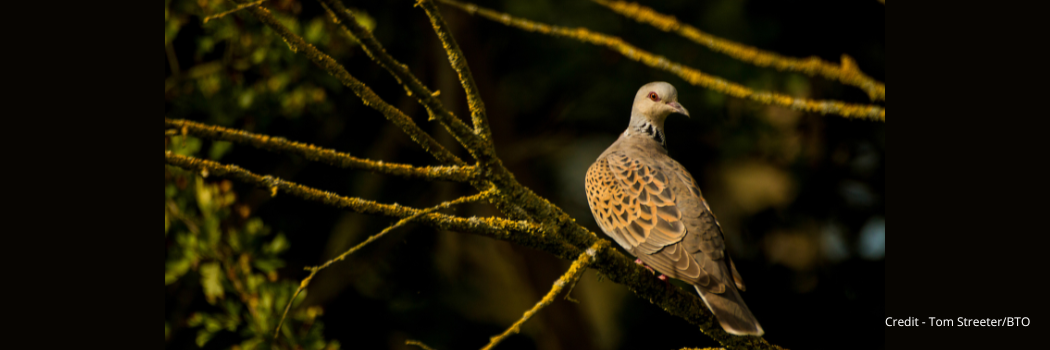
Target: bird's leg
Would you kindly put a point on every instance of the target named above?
(660, 276)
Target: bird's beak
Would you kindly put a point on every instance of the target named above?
(678, 108)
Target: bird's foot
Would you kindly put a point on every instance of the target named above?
(659, 276)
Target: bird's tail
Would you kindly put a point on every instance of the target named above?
(731, 311)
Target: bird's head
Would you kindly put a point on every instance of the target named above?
(655, 101)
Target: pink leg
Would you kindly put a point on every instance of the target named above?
(660, 276)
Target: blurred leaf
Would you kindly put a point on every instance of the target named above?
(267, 265)
(218, 149)
(175, 269)
(185, 146)
(203, 336)
(277, 245)
(315, 31)
(211, 281)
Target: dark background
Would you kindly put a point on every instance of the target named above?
(800, 196)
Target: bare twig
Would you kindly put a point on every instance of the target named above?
(418, 343)
(690, 75)
(570, 277)
(315, 269)
(847, 73)
(462, 173)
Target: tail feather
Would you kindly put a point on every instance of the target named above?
(732, 313)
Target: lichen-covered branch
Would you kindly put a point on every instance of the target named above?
(459, 63)
(569, 278)
(315, 269)
(846, 73)
(369, 97)
(690, 75)
(462, 173)
(489, 226)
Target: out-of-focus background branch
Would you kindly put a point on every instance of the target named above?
(800, 195)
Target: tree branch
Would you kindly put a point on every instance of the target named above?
(847, 73)
(464, 173)
(315, 269)
(690, 75)
(489, 226)
(459, 63)
(569, 278)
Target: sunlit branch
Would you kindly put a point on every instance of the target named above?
(569, 278)
(459, 63)
(488, 226)
(315, 269)
(847, 73)
(462, 173)
(690, 75)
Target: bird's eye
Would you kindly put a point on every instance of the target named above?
(652, 96)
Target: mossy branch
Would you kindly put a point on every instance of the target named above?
(489, 226)
(464, 173)
(846, 73)
(690, 75)
(569, 278)
(369, 97)
(315, 269)
(459, 63)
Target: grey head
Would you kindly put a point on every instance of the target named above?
(652, 104)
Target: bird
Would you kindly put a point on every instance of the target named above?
(652, 207)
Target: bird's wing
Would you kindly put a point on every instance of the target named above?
(634, 204)
(704, 236)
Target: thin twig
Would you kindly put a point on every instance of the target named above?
(462, 173)
(570, 277)
(402, 222)
(369, 97)
(690, 75)
(235, 9)
(418, 343)
(459, 63)
(847, 73)
(315, 269)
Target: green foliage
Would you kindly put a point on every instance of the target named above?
(218, 251)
